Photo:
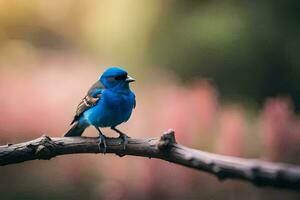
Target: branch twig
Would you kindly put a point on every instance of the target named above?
(260, 173)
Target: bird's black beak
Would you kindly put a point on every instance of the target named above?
(129, 79)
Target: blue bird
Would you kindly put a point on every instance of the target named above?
(108, 103)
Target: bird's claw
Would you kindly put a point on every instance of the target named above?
(124, 137)
(102, 143)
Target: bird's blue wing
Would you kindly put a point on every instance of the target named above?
(90, 100)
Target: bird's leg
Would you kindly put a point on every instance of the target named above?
(123, 136)
(102, 140)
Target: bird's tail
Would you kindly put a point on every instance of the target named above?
(76, 129)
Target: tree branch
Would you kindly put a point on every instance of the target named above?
(260, 173)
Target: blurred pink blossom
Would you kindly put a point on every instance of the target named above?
(231, 132)
(281, 133)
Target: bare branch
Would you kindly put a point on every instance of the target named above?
(260, 173)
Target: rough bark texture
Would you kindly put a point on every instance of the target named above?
(260, 173)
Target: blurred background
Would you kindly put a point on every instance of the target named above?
(223, 74)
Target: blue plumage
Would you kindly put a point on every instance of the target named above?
(108, 103)
(112, 109)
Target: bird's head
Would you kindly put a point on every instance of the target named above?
(115, 77)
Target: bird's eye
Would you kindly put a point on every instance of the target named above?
(121, 77)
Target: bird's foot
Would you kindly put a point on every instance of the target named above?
(124, 137)
(102, 143)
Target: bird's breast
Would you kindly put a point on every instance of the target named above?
(118, 101)
(111, 110)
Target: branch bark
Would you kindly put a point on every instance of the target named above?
(260, 173)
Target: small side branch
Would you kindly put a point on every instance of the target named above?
(260, 173)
